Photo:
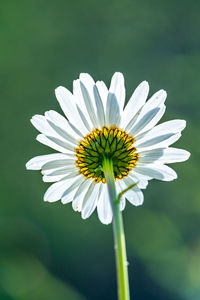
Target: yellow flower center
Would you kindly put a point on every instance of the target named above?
(112, 143)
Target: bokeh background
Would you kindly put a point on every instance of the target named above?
(46, 250)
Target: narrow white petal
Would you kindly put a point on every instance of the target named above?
(141, 183)
(100, 107)
(112, 110)
(81, 105)
(90, 200)
(56, 190)
(50, 129)
(120, 186)
(84, 90)
(103, 91)
(88, 82)
(45, 141)
(104, 209)
(134, 195)
(164, 155)
(156, 100)
(62, 143)
(37, 162)
(139, 177)
(150, 113)
(61, 126)
(41, 124)
(144, 121)
(69, 193)
(135, 103)
(70, 196)
(118, 89)
(85, 118)
(153, 140)
(157, 171)
(61, 171)
(122, 203)
(80, 194)
(173, 155)
(90, 106)
(147, 157)
(68, 105)
(58, 163)
(159, 142)
(173, 126)
(154, 120)
(56, 178)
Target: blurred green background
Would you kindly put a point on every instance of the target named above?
(46, 250)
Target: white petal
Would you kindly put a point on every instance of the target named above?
(141, 183)
(122, 203)
(172, 155)
(80, 194)
(85, 118)
(103, 91)
(37, 162)
(150, 113)
(81, 105)
(70, 196)
(118, 89)
(164, 155)
(135, 103)
(61, 126)
(89, 83)
(151, 156)
(41, 124)
(139, 177)
(157, 171)
(68, 105)
(154, 120)
(71, 190)
(51, 175)
(62, 143)
(49, 130)
(56, 178)
(134, 195)
(90, 200)
(112, 110)
(56, 190)
(45, 141)
(159, 142)
(90, 106)
(100, 107)
(147, 121)
(173, 126)
(61, 171)
(104, 209)
(157, 100)
(120, 186)
(83, 91)
(54, 164)
(153, 140)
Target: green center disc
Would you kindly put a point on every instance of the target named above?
(111, 142)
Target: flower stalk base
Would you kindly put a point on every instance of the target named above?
(118, 231)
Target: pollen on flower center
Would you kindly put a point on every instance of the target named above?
(111, 142)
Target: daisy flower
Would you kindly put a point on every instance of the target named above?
(99, 126)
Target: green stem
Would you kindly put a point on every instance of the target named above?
(118, 230)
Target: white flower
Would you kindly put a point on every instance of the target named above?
(99, 123)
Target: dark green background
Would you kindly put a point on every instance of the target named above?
(46, 250)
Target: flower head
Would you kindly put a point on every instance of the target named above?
(98, 124)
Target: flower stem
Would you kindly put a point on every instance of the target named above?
(118, 230)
